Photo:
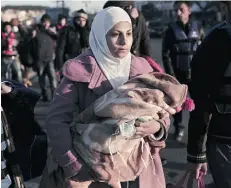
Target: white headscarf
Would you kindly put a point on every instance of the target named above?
(115, 69)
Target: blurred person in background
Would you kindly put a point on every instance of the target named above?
(23, 34)
(62, 22)
(27, 57)
(73, 40)
(180, 42)
(18, 28)
(43, 45)
(141, 44)
(61, 25)
(10, 67)
(209, 133)
(82, 25)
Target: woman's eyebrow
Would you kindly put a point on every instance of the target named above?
(120, 30)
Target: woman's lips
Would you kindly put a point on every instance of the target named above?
(122, 49)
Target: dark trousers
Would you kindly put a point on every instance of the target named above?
(10, 69)
(184, 78)
(46, 68)
(219, 161)
(178, 121)
(30, 155)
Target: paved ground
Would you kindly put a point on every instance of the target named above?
(175, 153)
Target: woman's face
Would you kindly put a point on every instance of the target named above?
(119, 39)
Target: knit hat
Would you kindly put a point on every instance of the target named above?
(80, 14)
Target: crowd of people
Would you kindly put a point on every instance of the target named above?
(110, 103)
(42, 48)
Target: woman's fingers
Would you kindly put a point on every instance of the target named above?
(140, 129)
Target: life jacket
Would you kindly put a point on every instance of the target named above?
(221, 95)
(186, 45)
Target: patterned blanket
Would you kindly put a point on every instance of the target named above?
(104, 132)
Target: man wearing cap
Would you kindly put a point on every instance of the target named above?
(73, 39)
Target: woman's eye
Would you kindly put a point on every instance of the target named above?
(114, 34)
(129, 34)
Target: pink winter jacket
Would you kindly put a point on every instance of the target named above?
(82, 84)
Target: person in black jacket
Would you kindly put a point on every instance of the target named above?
(141, 43)
(43, 55)
(73, 39)
(18, 103)
(209, 133)
(62, 22)
(180, 41)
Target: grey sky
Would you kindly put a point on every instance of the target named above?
(72, 4)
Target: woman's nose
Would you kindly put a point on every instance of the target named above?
(123, 40)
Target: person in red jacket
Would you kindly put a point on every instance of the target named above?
(11, 69)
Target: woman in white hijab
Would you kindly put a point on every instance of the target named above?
(106, 65)
(113, 51)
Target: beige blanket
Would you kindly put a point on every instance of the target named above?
(107, 127)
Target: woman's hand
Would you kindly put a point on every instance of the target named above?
(146, 128)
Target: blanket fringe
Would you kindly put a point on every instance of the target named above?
(142, 150)
(112, 158)
(113, 161)
(154, 168)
